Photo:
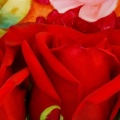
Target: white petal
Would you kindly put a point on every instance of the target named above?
(65, 5)
(92, 13)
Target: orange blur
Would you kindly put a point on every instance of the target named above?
(37, 10)
(117, 10)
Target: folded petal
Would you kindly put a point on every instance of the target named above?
(11, 83)
(12, 97)
(92, 13)
(43, 94)
(66, 85)
(99, 104)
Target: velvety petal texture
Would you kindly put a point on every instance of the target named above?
(54, 73)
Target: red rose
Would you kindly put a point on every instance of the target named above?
(73, 76)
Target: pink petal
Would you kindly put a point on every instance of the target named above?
(93, 2)
(92, 13)
(63, 6)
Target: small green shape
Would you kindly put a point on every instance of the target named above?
(47, 111)
(61, 117)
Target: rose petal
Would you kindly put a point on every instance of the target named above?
(98, 106)
(11, 83)
(60, 77)
(12, 97)
(43, 94)
(13, 107)
(9, 53)
(106, 22)
(116, 108)
(20, 32)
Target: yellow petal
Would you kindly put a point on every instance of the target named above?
(13, 11)
(2, 2)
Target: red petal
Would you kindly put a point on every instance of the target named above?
(66, 85)
(11, 83)
(99, 104)
(12, 104)
(43, 94)
(43, 1)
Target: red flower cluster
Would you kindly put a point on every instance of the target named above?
(72, 20)
(59, 73)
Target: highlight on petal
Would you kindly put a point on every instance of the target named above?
(48, 110)
(94, 12)
(63, 6)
